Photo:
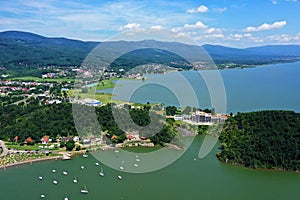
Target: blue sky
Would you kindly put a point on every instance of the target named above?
(236, 23)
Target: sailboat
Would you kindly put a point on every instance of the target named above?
(101, 173)
(84, 191)
(55, 182)
(66, 198)
(65, 173)
(82, 167)
(40, 177)
(119, 177)
(43, 196)
(96, 163)
(75, 180)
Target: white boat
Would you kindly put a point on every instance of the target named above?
(121, 168)
(43, 196)
(75, 180)
(136, 165)
(82, 167)
(53, 170)
(119, 177)
(116, 151)
(66, 198)
(96, 163)
(65, 173)
(84, 191)
(55, 182)
(137, 160)
(40, 177)
(85, 155)
(101, 173)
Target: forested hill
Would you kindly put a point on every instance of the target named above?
(31, 49)
(264, 139)
(28, 48)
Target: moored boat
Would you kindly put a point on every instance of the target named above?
(85, 155)
(84, 191)
(101, 173)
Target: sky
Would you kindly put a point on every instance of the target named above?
(235, 23)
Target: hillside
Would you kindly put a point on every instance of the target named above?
(27, 48)
(264, 139)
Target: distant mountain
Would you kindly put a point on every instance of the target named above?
(28, 48)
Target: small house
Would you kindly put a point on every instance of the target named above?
(45, 139)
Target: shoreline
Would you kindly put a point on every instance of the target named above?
(30, 161)
(256, 169)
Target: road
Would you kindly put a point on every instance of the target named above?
(5, 150)
(23, 100)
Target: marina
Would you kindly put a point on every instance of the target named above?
(203, 173)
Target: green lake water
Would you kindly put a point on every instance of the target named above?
(186, 178)
(267, 87)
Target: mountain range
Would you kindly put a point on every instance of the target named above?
(27, 48)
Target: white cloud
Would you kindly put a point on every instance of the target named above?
(285, 38)
(274, 2)
(265, 27)
(198, 24)
(236, 36)
(130, 26)
(215, 35)
(158, 27)
(200, 9)
(210, 30)
(220, 10)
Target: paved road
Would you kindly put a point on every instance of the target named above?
(5, 150)
(23, 100)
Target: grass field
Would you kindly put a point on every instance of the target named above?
(27, 147)
(103, 97)
(105, 84)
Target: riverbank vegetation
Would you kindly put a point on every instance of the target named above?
(264, 139)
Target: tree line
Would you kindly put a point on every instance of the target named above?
(35, 121)
(264, 139)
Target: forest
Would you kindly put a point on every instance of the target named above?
(263, 139)
(35, 121)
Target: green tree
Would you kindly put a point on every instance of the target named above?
(62, 144)
(171, 110)
(70, 145)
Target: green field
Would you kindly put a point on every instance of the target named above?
(105, 84)
(28, 147)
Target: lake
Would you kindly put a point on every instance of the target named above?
(184, 179)
(264, 87)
